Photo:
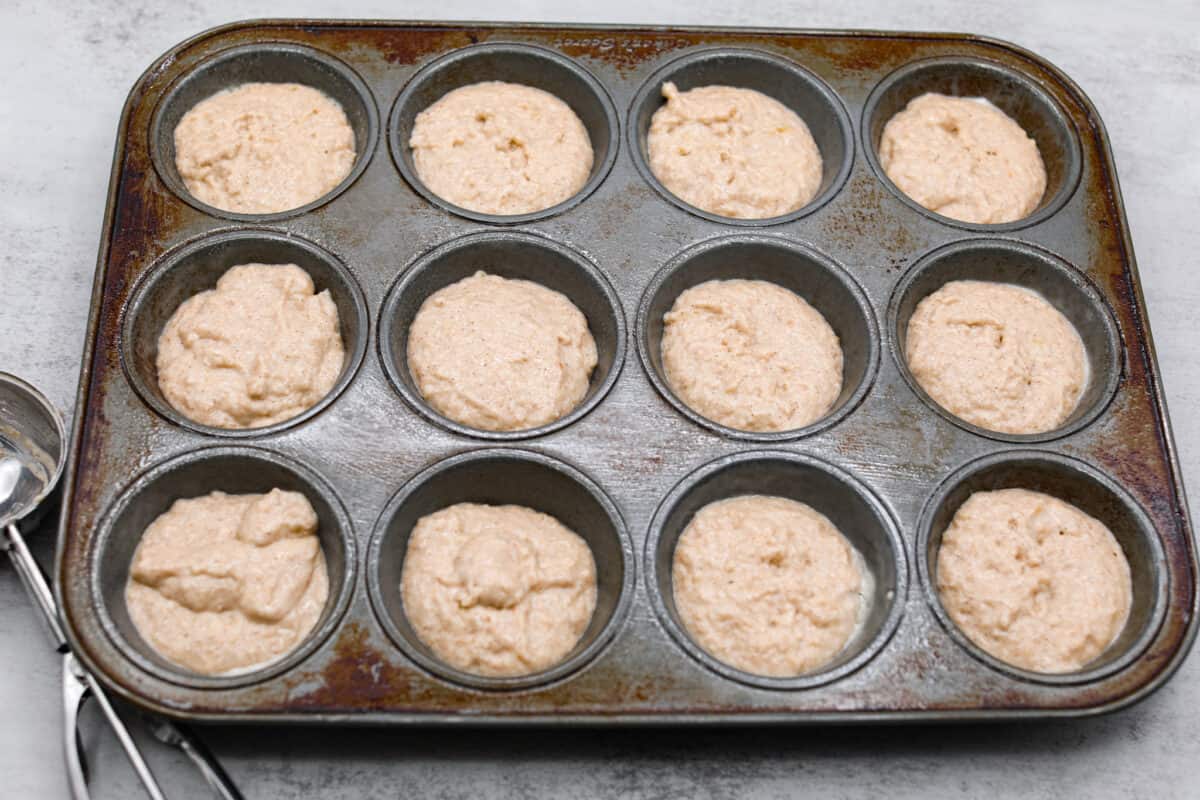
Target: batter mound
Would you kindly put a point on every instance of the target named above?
(751, 355)
(228, 582)
(963, 158)
(261, 148)
(768, 585)
(499, 354)
(1032, 580)
(497, 590)
(997, 355)
(501, 148)
(258, 349)
(733, 152)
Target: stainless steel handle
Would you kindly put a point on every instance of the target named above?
(74, 693)
(209, 767)
(118, 727)
(39, 591)
(35, 584)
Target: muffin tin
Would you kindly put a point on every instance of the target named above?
(631, 464)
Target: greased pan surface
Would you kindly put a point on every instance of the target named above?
(627, 469)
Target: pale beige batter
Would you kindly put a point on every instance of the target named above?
(751, 355)
(963, 158)
(261, 148)
(1032, 580)
(733, 152)
(997, 355)
(768, 585)
(227, 582)
(258, 349)
(500, 354)
(497, 590)
(501, 148)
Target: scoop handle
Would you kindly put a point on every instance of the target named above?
(208, 765)
(35, 584)
(39, 591)
(74, 694)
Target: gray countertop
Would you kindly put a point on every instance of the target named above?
(68, 68)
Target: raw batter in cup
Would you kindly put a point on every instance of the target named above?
(997, 355)
(258, 349)
(768, 585)
(262, 148)
(751, 355)
(1032, 580)
(963, 158)
(499, 354)
(225, 583)
(501, 148)
(734, 152)
(497, 590)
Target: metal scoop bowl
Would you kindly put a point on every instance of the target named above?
(31, 450)
(32, 455)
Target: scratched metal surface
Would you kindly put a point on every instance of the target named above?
(368, 442)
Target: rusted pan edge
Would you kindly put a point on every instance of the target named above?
(1145, 340)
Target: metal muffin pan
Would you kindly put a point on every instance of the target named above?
(628, 468)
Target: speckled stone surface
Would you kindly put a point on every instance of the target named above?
(67, 69)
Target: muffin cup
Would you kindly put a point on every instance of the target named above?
(798, 268)
(511, 63)
(513, 255)
(500, 477)
(1018, 96)
(852, 507)
(1066, 288)
(269, 62)
(197, 266)
(789, 83)
(1092, 492)
(233, 470)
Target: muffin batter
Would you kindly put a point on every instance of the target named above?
(1032, 580)
(501, 148)
(733, 152)
(751, 355)
(228, 582)
(500, 354)
(261, 148)
(497, 590)
(258, 349)
(963, 158)
(997, 355)
(768, 585)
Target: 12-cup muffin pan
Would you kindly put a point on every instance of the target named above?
(628, 468)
